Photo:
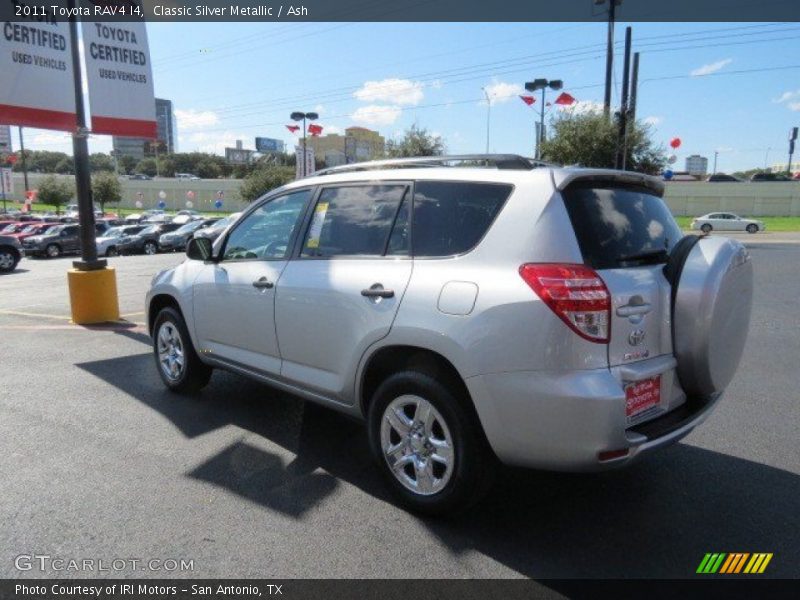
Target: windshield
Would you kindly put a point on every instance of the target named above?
(114, 232)
(30, 228)
(9, 229)
(189, 227)
(55, 230)
(151, 229)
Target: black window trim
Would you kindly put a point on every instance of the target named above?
(300, 242)
(263, 201)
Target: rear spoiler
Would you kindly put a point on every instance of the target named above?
(564, 177)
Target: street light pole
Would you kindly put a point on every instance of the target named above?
(302, 116)
(22, 157)
(542, 84)
(488, 117)
(766, 158)
(80, 149)
(716, 153)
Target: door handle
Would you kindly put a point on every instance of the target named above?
(376, 291)
(630, 310)
(262, 283)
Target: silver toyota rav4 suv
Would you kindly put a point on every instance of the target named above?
(470, 310)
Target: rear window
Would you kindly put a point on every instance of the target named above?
(619, 227)
(451, 218)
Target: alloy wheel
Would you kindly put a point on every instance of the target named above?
(417, 445)
(170, 351)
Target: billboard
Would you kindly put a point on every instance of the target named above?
(238, 156)
(120, 79)
(35, 61)
(266, 145)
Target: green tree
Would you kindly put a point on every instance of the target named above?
(148, 166)
(589, 139)
(264, 179)
(56, 191)
(127, 164)
(166, 167)
(207, 169)
(65, 166)
(100, 162)
(106, 189)
(416, 142)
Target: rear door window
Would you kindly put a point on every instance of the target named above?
(356, 220)
(620, 227)
(450, 218)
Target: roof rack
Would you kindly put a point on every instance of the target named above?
(498, 161)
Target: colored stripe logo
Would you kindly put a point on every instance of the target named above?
(734, 562)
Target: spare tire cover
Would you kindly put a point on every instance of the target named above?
(711, 314)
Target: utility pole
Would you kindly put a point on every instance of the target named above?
(623, 109)
(612, 9)
(792, 138)
(22, 157)
(634, 88)
(80, 150)
(488, 117)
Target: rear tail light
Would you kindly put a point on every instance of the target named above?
(576, 294)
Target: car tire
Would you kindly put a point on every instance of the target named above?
(112, 251)
(52, 251)
(8, 260)
(150, 248)
(427, 477)
(752, 228)
(177, 362)
(706, 228)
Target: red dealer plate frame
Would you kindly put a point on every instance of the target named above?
(641, 396)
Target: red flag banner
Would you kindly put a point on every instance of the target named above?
(529, 100)
(314, 129)
(565, 99)
(293, 128)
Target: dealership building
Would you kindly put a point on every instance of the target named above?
(356, 145)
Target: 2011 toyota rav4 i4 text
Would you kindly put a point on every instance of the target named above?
(547, 317)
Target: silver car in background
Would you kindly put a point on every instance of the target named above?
(726, 222)
(545, 317)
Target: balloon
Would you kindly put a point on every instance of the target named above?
(162, 194)
(218, 204)
(675, 143)
(189, 204)
(672, 159)
(190, 194)
(161, 204)
(668, 174)
(138, 204)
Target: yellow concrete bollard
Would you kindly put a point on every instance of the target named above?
(93, 296)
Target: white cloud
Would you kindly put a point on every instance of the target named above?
(191, 119)
(787, 96)
(319, 108)
(374, 114)
(584, 106)
(396, 91)
(795, 106)
(500, 91)
(711, 67)
(332, 129)
(653, 120)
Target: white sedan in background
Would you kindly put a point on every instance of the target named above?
(726, 222)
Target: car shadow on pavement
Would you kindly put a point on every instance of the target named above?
(655, 519)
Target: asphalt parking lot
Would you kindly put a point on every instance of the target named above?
(99, 461)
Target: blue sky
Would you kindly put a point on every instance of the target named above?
(717, 86)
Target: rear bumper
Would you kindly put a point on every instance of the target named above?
(563, 420)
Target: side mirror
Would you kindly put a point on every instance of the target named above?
(199, 249)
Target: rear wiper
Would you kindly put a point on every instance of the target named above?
(656, 255)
